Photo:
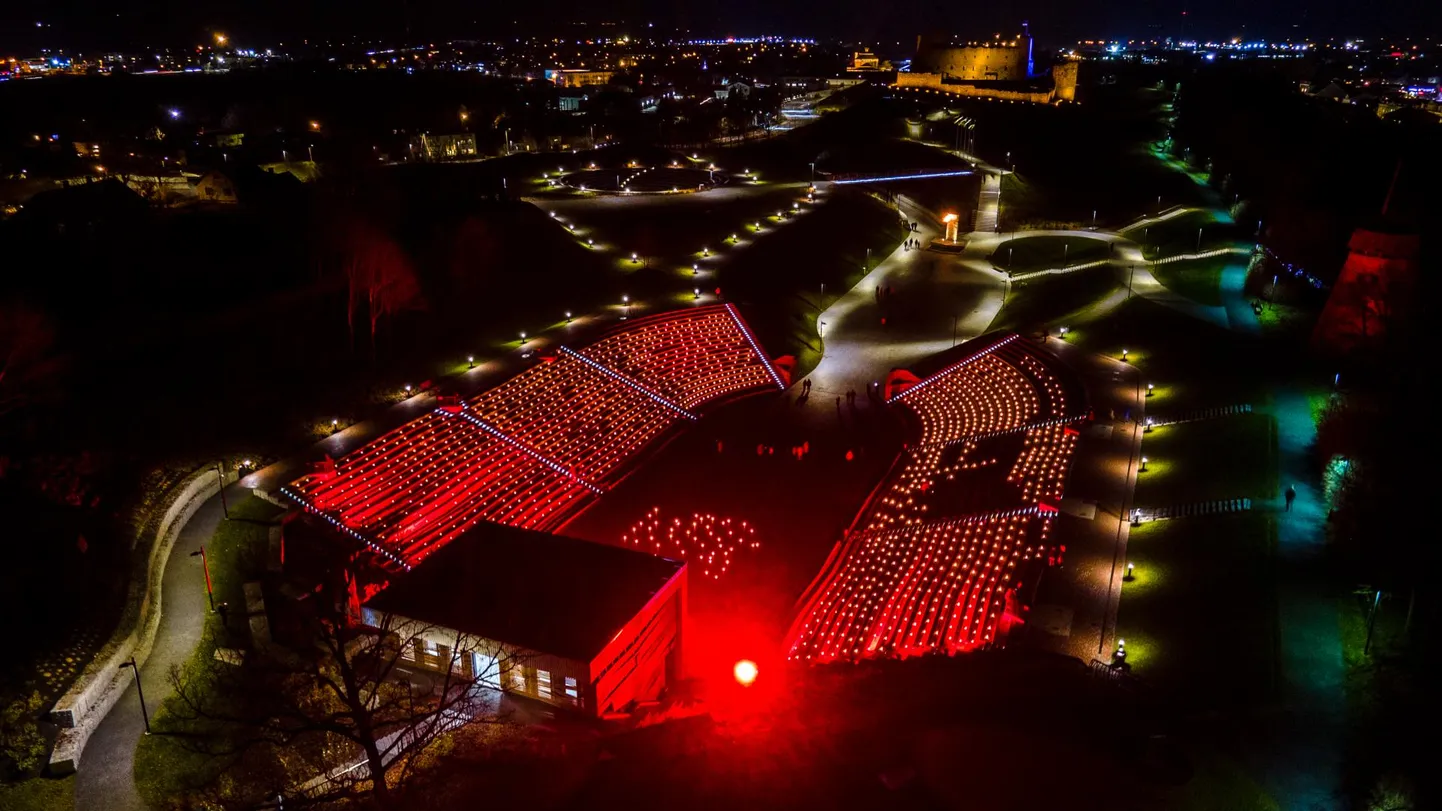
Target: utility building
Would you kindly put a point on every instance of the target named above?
(584, 625)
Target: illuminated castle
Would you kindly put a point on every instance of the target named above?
(1000, 69)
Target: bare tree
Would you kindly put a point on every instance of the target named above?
(380, 280)
(349, 718)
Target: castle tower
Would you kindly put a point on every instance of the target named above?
(1371, 290)
(1064, 80)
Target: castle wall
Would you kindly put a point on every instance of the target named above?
(933, 82)
(978, 63)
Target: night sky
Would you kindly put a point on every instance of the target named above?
(89, 23)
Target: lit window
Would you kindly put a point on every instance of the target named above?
(430, 648)
(543, 683)
(518, 679)
(571, 687)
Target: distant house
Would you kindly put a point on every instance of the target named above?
(579, 78)
(738, 90)
(428, 147)
(569, 101)
(228, 139)
(214, 187)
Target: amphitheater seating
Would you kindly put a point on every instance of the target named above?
(913, 579)
(689, 359)
(534, 449)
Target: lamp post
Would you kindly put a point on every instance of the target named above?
(205, 566)
(140, 692)
(1131, 273)
(625, 307)
(220, 472)
(1199, 240)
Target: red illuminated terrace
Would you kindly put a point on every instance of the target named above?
(533, 450)
(933, 560)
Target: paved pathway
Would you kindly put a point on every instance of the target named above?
(106, 778)
(1303, 752)
(939, 300)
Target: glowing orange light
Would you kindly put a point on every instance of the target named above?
(745, 672)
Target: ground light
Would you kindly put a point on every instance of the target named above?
(695, 269)
(1062, 331)
(1120, 654)
(334, 424)
(471, 360)
(1131, 575)
(568, 316)
(745, 672)
(697, 292)
(1150, 391)
(1144, 464)
(1124, 356)
(408, 388)
(1149, 425)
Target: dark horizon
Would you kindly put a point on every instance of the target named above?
(88, 25)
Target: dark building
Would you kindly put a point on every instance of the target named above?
(587, 625)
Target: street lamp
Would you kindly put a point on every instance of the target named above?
(471, 361)
(140, 692)
(568, 316)
(1144, 464)
(625, 307)
(695, 269)
(220, 472)
(1150, 388)
(1124, 356)
(205, 565)
(696, 294)
(1130, 576)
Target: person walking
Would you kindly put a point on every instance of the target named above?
(1291, 496)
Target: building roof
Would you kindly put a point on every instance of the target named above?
(547, 593)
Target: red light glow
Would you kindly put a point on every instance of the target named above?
(745, 672)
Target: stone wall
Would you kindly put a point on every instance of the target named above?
(102, 683)
(978, 63)
(934, 82)
(1064, 81)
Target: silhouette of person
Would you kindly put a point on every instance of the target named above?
(1291, 496)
